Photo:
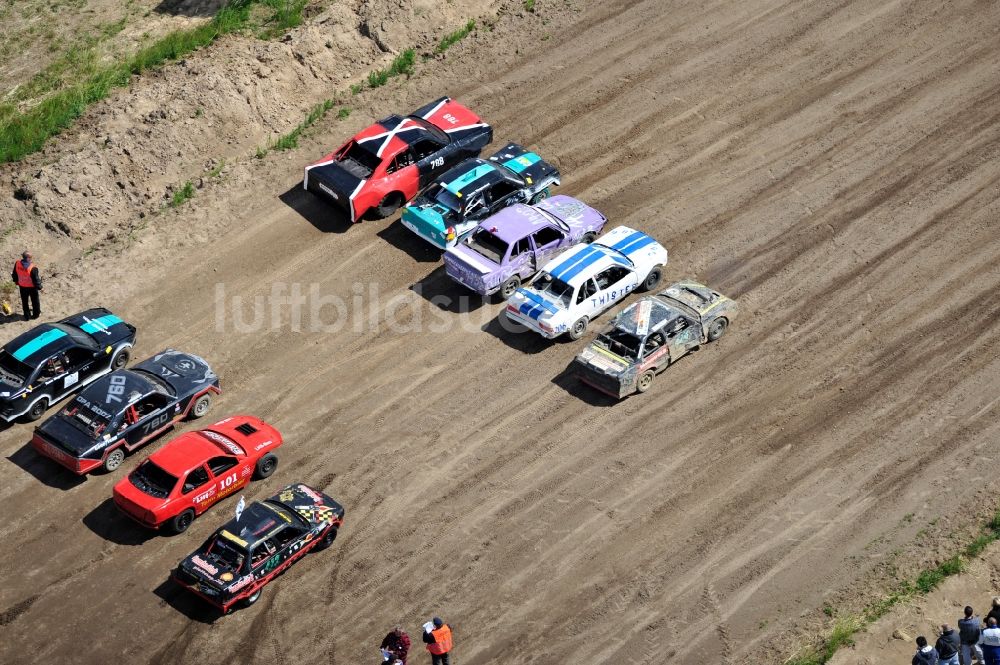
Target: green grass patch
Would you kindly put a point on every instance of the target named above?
(529, 5)
(217, 170)
(453, 38)
(24, 133)
(291, 139)
(843, 630)
(343, 113)
(185, 193)
(401, 65)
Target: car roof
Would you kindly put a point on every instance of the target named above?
(515, 222)
(571, 211)
(37, 344)
(646, 316)
(191, 449)
(471, 176)
(613, 248)
(97, 392)
(257, 522)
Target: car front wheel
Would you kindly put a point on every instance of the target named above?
(717, 329)
(37, 410)
(121, 358)
(541, 196)
(266, 466)
(328, 538)
(652, 279)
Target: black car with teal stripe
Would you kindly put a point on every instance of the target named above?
(49, 362)
(475, 189)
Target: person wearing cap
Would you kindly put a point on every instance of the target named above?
(948, 645)
(926, 654)
(437, 637)
(970, 631)
(397, 644)
(991, 642)
(25, 275)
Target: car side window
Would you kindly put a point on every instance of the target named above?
(77, 356)
(520, 247)
(679, 326)
(285, 537)
(263, 551)
(546, 236)
(149, 404)
(655, 341)
(54, 366)
(502, 190)
(400, 161)
(475, 207)
(425, 148)
(611, 276)
(221, 464)
(587, 289)
(195, 479)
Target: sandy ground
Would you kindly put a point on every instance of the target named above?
(832, 165)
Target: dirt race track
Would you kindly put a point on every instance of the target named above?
(832, 165)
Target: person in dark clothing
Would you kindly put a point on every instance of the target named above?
(926, 654)
(437, 637)
(970, 630)
(994, 611)
(948, 646)
(397, 643)
(25, 275)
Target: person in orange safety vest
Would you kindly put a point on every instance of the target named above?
(25, 275)
(437, 637)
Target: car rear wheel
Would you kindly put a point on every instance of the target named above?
(201, 406)
(114, 459)
(389, 205)
(577, 329)
(37, 410)
(541, 196)
(266, 466)
(328, 538)
(645, 381)
(252, 598)
(121, 358)
(181, 522)
(717, 329)
(652, 279)
(507, 288)
(588, 237)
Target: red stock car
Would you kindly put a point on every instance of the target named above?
(390, 162)
(185, 477)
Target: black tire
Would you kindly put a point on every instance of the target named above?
(507, 288)
(121, 358)
(200, 407)
(181, 522)
(644, 381)
(37, 410)
(265, 466)
(578, 328)
(252, 598)
(718, 328)
(328, 538)
(114, 459)
(653, 279)
(389, 205)
(541, 196)
(588, 237)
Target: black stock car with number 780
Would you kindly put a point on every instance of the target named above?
(233, 566)
(125, 410)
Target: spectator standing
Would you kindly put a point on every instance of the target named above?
(970, 631)
(397, 643)
(994, 611)
(437, 637)
(948, 645)
(991, 642)
(29, 282)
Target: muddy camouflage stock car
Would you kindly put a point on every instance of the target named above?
(233, 566)
(125, 410)
(645, 338)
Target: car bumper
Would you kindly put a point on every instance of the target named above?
(531, 324)
(136, 514)
(615, 386)
(468, 279)
(55, 453)
(216, 601)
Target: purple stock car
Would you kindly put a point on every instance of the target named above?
(512, 245)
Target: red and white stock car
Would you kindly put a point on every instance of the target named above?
(184, 478)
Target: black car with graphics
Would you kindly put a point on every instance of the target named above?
(232, 567)
(650, 335)
(125, 410)
(49, 362)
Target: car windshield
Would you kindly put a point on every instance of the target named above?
(223, 551)
(153, 480)
(86, 416)
(621, 342)
(12, 371)
(448, 200)
(434, 131)
(487, 244)
(555, 220)
(161, 385)
(546, 283)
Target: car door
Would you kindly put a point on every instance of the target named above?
(431, 159)
(682, 337)
(586, 302)
(51, 377)
(521, 261)
(545, 243)
(147, 417)
(227, 473)
(81, 365)
(198, 489)
(655, 352)
(613, 284)
(502, 194)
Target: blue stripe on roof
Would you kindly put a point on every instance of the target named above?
(592, 258)
(634, 237)
(540, 301)
(636, 244)
(518, 164)
(466, 179)
(100, 324)
(39, 342)
(571, 261)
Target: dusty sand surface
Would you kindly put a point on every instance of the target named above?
(832, 165)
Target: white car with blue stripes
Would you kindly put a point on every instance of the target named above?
(585, 281)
